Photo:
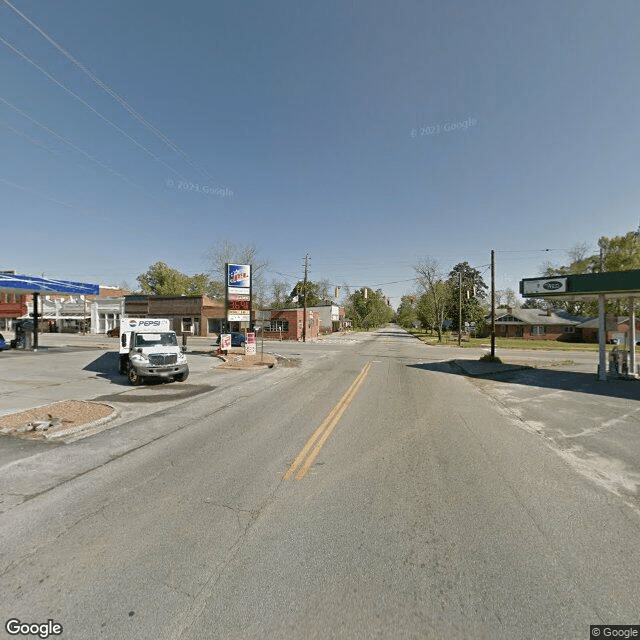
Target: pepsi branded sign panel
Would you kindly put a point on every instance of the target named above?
(239, 276)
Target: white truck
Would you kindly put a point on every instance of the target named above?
(149, 349)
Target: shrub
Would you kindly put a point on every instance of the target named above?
(487, 357)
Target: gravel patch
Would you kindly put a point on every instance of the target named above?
(52, 419)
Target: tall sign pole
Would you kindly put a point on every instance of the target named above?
(493, 303)
(225, 328)
(304, 299)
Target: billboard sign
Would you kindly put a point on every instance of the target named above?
(239, 277)
(544, 286)
(238, 293)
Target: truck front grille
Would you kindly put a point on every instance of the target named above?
(159, 358)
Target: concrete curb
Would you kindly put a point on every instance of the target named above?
(87, 425)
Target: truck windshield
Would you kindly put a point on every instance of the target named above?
(155, 339)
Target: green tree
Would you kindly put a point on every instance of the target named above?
(439, 292)
(474, 291)
(314, 294)
(162, 280)
(406, 315)
(618, 253)
(368, 309)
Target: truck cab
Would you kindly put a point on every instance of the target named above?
(149, 349)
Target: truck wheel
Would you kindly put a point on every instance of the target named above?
(133, 376)
(181, 377)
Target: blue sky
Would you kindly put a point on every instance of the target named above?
(317, 127)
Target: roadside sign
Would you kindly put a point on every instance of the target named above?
(250, 344)
(225, 341)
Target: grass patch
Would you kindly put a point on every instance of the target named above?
(506, 343)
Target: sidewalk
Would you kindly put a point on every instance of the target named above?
(479, 368)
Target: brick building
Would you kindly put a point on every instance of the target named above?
(287, 324)
(192, 315)
(536, 324)
(12, 307)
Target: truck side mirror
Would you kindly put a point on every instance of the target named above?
(124, 340)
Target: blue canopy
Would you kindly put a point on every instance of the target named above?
(32, 284)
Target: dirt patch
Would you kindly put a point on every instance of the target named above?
(241, 361)
(56, 418)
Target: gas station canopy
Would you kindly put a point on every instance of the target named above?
(587, 286)
(32, 284)
(610, 285)
(10, 282)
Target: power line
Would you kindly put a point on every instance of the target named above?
(92, 109)
(84, 210)
(172, 145)
(79, 150)
(33, 141)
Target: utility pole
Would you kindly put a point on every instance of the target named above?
(304, 299)
(459, 306)
(493, 303)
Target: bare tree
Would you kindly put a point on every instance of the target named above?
(579, 252)
(224, 252)
(431, 280)
(325, 290)
(507, 298)
(279, 293)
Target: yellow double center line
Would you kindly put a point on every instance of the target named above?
(312, 448)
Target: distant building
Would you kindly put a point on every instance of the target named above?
(66, 313)
(190, 315)
(537, 324)
(330, 316)
(287, 324)
(12, 307)
(616, 329)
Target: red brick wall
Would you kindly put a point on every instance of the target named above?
(12, 305)
(295, 319)
(551, 332)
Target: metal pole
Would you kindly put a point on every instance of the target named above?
(602, 339)
(36, 317)
(632, 337)
(493, 304)
(304, 300)
(459, 306)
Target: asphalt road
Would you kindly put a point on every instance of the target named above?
(429, 506)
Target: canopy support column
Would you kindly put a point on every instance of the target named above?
(632, 337)
(36, 317)
(602, 339)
